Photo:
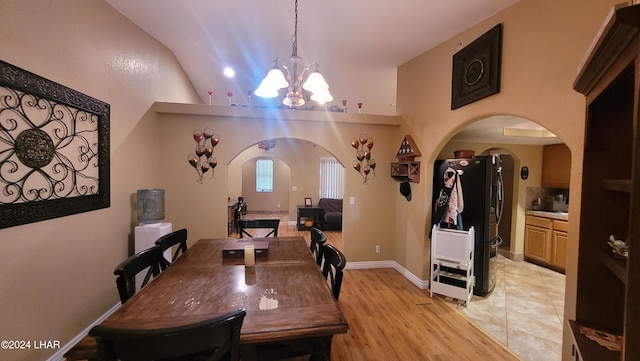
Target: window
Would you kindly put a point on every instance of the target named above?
(331, 178)
(264, 175)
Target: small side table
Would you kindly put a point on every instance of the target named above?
(313, 212)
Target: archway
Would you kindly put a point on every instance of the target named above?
(299, 161)
(522, 141)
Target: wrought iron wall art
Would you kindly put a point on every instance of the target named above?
(204, 160)
(476, 69)
(363, 164)
(54, 149)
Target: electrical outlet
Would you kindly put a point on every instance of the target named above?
(377, 248)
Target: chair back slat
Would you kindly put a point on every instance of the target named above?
(149, 260)
(176, 238)
(332, 267)
(271, 224)
(212, 339)
(318, 238)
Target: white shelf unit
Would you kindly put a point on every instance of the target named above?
(452, 263)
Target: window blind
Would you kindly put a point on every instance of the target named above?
(331, 178)
(264, 175)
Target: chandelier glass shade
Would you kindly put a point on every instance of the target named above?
(294, 80)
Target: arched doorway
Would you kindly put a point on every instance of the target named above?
(520, 142)
(299, 176)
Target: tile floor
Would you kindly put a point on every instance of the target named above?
(524, 311)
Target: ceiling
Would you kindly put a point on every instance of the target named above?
(506, 129)
(358, 44)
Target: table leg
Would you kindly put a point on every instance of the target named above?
(321, 349)
(248, 353)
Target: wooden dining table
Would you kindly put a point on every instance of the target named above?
(287, 300)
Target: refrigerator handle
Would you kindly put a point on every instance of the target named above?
(500, 200)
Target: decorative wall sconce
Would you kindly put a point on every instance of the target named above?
(363, 164)
(203, 160)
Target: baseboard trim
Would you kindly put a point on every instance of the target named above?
(511, 255)
(421, 284)
(59, 355)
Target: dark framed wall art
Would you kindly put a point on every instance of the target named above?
(476, 69)
(54, 149)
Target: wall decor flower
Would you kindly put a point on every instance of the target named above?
(203, 160)
(363, 164)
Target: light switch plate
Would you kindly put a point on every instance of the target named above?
(352, 200)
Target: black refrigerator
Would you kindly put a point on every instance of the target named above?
(468, 192)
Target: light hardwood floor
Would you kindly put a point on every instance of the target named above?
(391, 319)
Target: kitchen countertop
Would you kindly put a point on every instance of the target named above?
(564, 216)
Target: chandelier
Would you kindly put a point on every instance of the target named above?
(281, 76)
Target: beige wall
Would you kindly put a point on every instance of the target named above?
(543, 45)
(202, 207)
(56, 276)
(266, 201)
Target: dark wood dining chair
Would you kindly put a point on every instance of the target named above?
(149, 260)
(271, 224)
(318, 238)
(176, 238)
(213, 339)
(332, 267)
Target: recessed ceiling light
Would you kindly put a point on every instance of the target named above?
(229, 72)
(523, 132)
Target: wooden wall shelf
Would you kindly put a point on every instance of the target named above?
(406, 171)
(618, 185)
(586, 349)
(617, 266)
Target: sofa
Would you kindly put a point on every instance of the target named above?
(331, 214)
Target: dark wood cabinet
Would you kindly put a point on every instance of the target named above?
(306, 213)
(608, 289)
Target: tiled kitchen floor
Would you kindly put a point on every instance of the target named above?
(524, 311)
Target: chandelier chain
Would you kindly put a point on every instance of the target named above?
(294, 38)
(296, 81)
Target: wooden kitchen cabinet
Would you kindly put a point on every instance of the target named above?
(608, 289)
(559, 242)
(537, 239)
(544, 244)
(556, 166)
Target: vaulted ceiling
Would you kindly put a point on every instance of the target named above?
(357, 43)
